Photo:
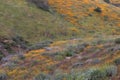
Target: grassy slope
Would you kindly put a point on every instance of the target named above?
(82, 14)
(20, 18)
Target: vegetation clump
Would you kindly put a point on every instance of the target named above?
(95, 74)
(117, 41)
(117, 61)
(39, 45)
(110, 71)
(43, 4)
(108, 1)
(3, 76)
(98, 9)
(42, 76)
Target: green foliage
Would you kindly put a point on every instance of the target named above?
(98, 9)
(39, 45)
(117, 41)
(21, 56)
(60, 76)
(42, 76)
(33, 63)
(110, 71)
(18, 40)
(1, 55)
(95, 74)
(59, 57)
(90, 74)
(11, 65)
(117, 61)
(75, 49)
(69, 53)
(3, 76)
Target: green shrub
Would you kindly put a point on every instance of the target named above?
(95, 74)
(69, 53)
(110, 71)
(21, 56)
(66, 53)
(117, 61)
(40, 45)
(11, 65)
(79, 76)
(70, 50)
(60, 75)
(59, 57)
(75, 49)
(1, 55)
(33, 63)
(98, 9)
(117, 41)
(18, 40)
(42, 76)
(3, 76)
(91, 74)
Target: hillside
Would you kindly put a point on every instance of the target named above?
(59, 40)
(66, 60)
(25, 19)
(91, 15)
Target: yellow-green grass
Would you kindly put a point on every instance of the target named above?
(18, 17)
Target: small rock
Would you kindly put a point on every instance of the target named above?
(48, 48)
(77, 64)
(79, 57)
(68, 58)
(88, 61)
(4, 65)
(5, 59)
(117, 48)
